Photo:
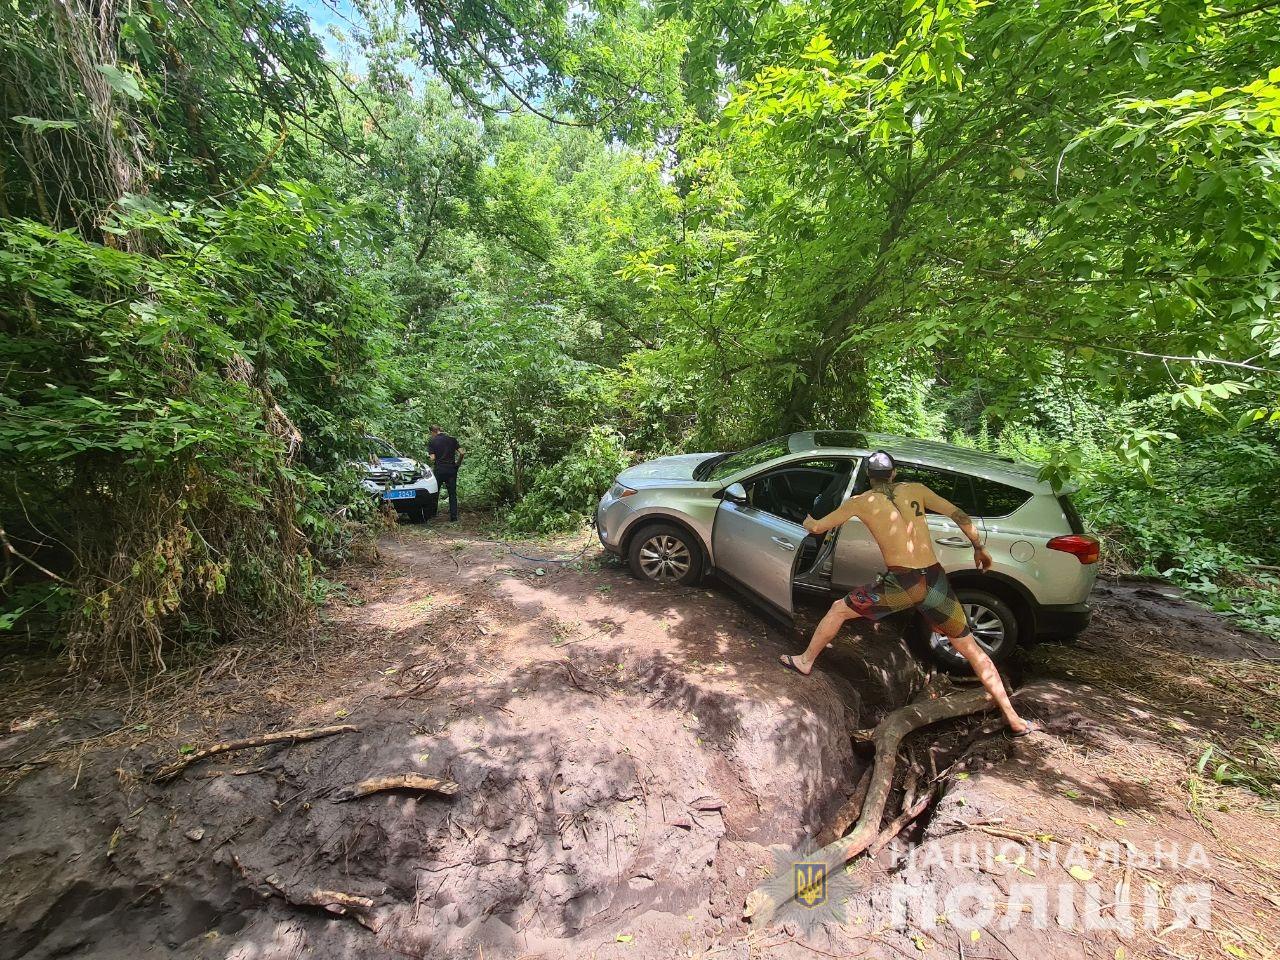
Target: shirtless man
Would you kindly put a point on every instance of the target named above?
(894, 513)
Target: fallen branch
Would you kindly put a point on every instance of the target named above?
(395, 781)
(888, 736)
(433, 678)
(357, 908)
(11, 551)
(284, 736)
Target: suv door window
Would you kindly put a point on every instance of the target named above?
(798, 489)
(953, 486)
(976, 496)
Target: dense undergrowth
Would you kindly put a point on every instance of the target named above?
(226, 255)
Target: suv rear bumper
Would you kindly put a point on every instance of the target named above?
(1063, 620)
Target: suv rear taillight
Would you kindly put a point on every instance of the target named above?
(1084, 548)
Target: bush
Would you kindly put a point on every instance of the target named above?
(153, 464)
(564, 495)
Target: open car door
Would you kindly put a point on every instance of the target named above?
(756, 549)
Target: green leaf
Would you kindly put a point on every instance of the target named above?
(121, 81)
(42, 126)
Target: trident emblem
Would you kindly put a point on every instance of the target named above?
(811, 884)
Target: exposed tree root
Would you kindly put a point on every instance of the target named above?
(350, 905)
(888, 735)
(292, 736)
(425, 685)
(911, 811)
(847, 815)
(396, 781)
(359, 909)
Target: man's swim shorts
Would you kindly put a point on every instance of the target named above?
(902, 588)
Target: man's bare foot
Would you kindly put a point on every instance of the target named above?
(1025, 730)
(796, 663)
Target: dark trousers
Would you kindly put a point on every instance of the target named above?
(449, 481)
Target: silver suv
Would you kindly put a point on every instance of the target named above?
(739, 514)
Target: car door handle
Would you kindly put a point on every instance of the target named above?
(953, 542)
(783, 542)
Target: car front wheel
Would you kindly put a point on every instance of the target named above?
(665, 554)
(430, 504)
(992, 622)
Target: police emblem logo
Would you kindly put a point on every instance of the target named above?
(811, 884)
(803, 890)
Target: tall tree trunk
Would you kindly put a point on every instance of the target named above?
(845, 313)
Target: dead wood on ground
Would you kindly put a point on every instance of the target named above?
(395, 781)
(284, 736)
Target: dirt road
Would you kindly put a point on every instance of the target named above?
(625, 756)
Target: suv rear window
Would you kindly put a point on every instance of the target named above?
(992, 499)
(944, 483)
(976, 496)
(1073, 515)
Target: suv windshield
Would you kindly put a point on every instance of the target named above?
(380, 448)
(725, 465)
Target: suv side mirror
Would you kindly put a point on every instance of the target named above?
(734, 493)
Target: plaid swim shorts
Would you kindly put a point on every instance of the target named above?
(902, 588)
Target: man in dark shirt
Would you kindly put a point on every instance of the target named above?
(446, 457)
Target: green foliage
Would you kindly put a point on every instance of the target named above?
(588, 234)
(568, 491)
(145, 399)
(1250, 764)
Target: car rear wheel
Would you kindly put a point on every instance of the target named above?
(664, 553)
(992, 622)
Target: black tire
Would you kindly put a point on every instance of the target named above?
(994, 626)
(431, 504)
(664, 553)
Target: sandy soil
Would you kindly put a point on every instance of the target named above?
(629, 761)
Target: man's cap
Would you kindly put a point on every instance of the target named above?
(880, 464)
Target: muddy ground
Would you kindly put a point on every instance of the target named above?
(630, 760)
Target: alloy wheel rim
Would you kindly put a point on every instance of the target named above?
(665, 558)
(984, 623)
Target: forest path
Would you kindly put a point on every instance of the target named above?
(626, 754)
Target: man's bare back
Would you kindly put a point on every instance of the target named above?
(894, 513)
